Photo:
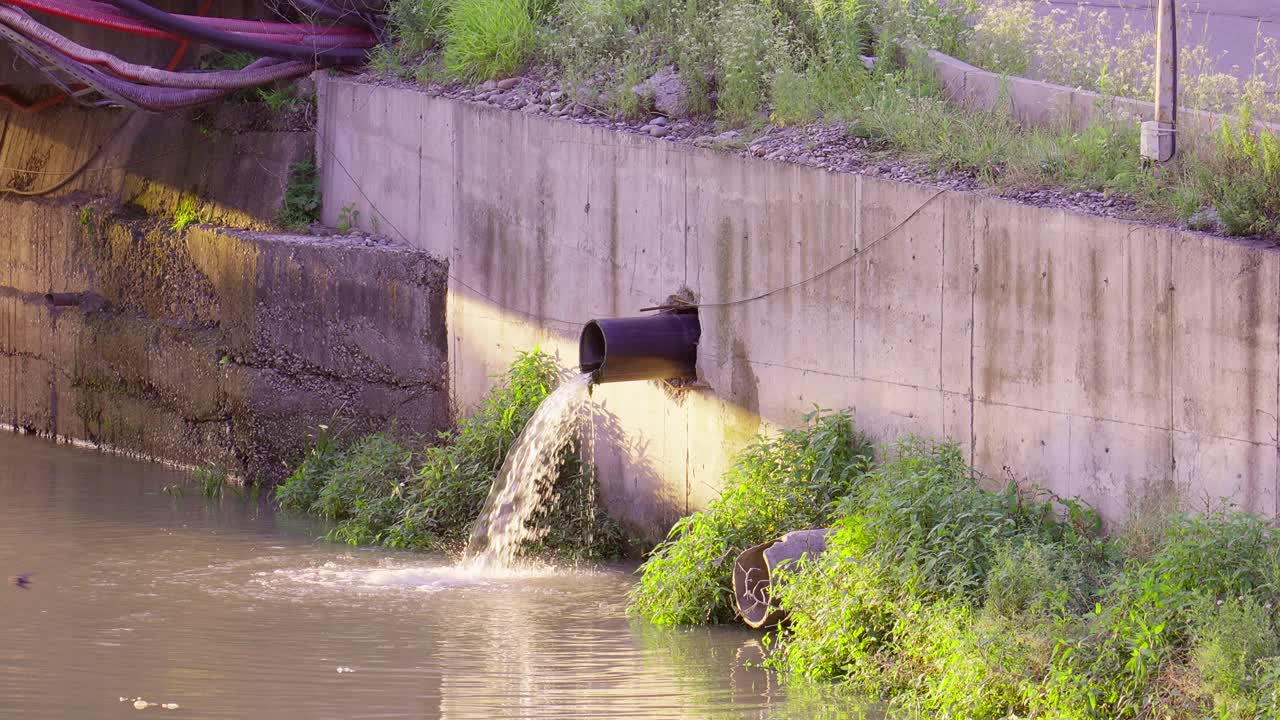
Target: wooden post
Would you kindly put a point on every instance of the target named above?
(1160, 138)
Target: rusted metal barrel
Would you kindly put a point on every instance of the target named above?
(654, 347)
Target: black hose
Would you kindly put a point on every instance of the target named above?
(186, 28)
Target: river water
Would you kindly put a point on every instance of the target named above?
(229, 610)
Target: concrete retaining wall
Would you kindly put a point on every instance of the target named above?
(237, 175)
(208, 346)
(1034, 103)
(1123, 363)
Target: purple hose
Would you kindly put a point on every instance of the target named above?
(163, 98)
(218, 80)
(317, 55)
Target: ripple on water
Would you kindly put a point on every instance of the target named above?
(290, 578)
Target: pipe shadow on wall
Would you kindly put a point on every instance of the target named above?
(638, 496)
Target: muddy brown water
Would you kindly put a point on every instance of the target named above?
(229, 610)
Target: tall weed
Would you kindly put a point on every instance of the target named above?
(778, 484)
(419, 25)
(488, 38)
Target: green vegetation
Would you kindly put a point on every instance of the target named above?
(381, 491)
(756, 63)
(348, 218)
(955, 601)
(1097, 50)
(88, 221)
(419, 25)
(212, 481)
(187, 211)
(779, 484)
(279, 99)
(488, 38)
(226, 60)
(301, 205)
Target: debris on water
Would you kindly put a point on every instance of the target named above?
(23, 580)
(140, 704)
(344, 669)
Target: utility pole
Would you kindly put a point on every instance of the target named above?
(1159, 137)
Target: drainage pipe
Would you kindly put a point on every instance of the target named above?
(755, 573)
(654, 347)
(63, 299)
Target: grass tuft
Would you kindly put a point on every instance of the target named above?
(302, 200)
(488, 38)
(212, 481)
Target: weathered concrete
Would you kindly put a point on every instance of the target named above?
(1111, 360)
(237, 176)
(1040, 104)
(212, 346)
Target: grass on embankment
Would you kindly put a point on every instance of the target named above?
(754, 64)
(427, 496)
(958, 602)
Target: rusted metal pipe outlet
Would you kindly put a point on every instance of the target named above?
(654, 347)
(63, 299)
(87, 302)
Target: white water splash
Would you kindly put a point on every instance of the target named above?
(525, 480)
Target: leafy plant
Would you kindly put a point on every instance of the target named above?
(381, 491)
(226, 60)
(778, 484)
(302, 199)
(348, 218)
(186, 213)
(745, 53)
(278, 99)
(86, 217)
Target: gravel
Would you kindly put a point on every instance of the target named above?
(828, 146)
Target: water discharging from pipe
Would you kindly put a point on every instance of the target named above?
(524, 482)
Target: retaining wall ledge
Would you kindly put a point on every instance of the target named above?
(1127, 364)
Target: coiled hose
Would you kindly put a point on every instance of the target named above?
(225, 79)
(334, 53)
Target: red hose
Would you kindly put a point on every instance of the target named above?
(25, 107)
(181, 50)
(86, 15)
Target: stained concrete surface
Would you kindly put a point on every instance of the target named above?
(211, 346)
(1124, 363)
(237, 176)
